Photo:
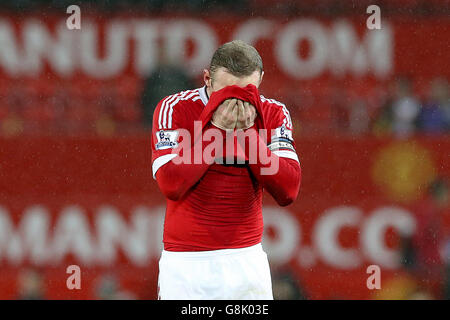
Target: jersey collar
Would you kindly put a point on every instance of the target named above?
(203, 95)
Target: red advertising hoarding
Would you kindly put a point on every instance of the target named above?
(299, 54)
(93, 202)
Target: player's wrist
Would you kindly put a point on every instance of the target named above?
(220, 126)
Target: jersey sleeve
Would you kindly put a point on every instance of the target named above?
(165, 131)
(280, 138)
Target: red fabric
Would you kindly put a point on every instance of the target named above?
(174, 180)
(223, 210)
(284, 185)
(429, 235)
(216, 206)
(249, 93)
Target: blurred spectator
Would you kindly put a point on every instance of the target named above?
(422, 253)
(400, 111)
(285, 287)
(405, 109)
(109, 289)
(350, 112)
(30, 285)
(339, 99)
(435, 113)
(382, 122)
(168, 78)
(359, 117)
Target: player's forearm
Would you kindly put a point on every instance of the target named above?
(284, 182)
(175, 180)
(176, 177)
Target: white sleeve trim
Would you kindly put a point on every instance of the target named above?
(160, 161)
(286, 154)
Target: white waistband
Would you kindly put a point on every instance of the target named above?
(209, 254)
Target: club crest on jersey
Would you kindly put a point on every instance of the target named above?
(166, 139)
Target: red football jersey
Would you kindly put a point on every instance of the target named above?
(224, 209)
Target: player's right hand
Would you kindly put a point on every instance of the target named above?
(225, 117)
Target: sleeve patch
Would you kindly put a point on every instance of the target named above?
(281, 139)
(167, 139)
(282, 133)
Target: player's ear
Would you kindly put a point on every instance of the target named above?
(260, 78)
(207, 78)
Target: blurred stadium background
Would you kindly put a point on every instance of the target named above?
(371, 114)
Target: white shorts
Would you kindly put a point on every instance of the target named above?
(228, 274)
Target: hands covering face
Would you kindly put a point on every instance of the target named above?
(234, 114)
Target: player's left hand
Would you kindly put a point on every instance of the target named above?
(246, 115)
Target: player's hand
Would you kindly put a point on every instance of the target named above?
(225, 117)
(246, 115)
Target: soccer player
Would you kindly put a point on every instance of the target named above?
(213, 224)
